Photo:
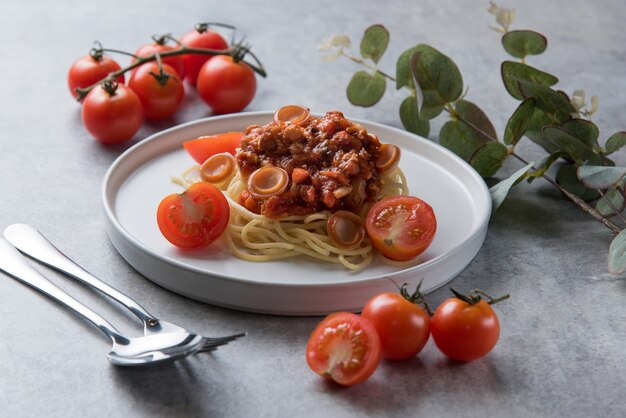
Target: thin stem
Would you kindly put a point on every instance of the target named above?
(366, 64)
(575, 199)
(612, 206)
(258, 67)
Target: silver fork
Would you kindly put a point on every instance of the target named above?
(30, 241)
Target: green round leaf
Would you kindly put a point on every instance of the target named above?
(374, 42)
(617, 202)
(404, 76)
(438, 79)
(615, 142)
(513, 71)
(519, 121)
(366, 89)
(567, 178)
(599, 177)
(473, 114)
(520, 43)
(584, 130)
(488, 159)
(460, 139)
(409, 115)
(548, 100)
(617, 253)
(572, 146)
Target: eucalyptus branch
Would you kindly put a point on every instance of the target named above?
(365, 63)
(575, 199)
(612, 206)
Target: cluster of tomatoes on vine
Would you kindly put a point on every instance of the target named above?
(347, 348)
(114, 106)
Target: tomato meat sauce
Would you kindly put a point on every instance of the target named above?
(330, 161)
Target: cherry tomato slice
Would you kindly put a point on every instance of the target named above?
(207, 146)
(345, 348)
(194, 218)
(464, 331)
(403, 327)
(401, 227)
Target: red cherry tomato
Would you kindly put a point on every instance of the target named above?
(345, 348)
(206, 39)
(175, 62)
(161, 93)
(401, 227)
(87, 71)
(403, 326)
(206, 146)
(464, 331)
(112, 115)
(225, 85)
(194, 218)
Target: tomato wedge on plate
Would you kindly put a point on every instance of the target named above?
(194, 218)
(401, 227)
(206, 146)
(345, 348)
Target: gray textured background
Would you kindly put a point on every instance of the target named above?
(561, 351)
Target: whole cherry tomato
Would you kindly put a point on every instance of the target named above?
(225, 85)
(112, 112)
(403, 326)
(345, 348)
(200, 37)
(465, 330)
(401, 227)
(90, 69)
(160, 46)
(194, 218)
(160, 90)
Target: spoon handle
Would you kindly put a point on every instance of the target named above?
(15, 265)
(32, 243)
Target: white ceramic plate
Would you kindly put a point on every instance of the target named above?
(138, 180)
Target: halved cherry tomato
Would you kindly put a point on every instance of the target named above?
(403, 326)
(207, 146)
(465, 331)
(194, 218)
(401, 227)
(345, 348)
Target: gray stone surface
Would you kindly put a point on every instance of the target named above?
(561, 351)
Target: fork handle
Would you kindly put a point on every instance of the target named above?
(31, 242)
(15, 265)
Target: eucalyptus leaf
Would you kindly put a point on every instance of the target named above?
(534, 132)
(513, 71)
(519, 122)
(548, 100)
(617, 202)
(572, 146)
(460, 139)
(366, 89)
(615, 142)
(583, 130)
(501, 190)
(409, 115)
(617, 253)
(488, 159)
(521, 43)
(374, 42)
(473, 114)
(600, 177)
(438, 78)
(404, 75)
(567, 178)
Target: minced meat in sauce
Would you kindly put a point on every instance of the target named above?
(330, 162)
